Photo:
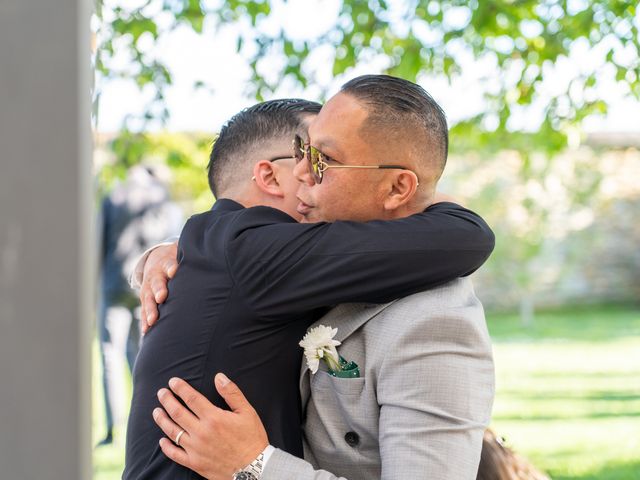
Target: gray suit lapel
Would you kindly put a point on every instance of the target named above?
(347, 318)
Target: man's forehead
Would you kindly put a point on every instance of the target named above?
(321, 138)
(338, 117)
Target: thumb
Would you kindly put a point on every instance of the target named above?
(231, 393)
(170, 268)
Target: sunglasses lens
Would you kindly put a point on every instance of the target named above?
(313, 155)
(298, 148)
(314, 163)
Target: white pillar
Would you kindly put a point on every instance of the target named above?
(45, 245)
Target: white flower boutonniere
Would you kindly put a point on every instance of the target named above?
(319, 344)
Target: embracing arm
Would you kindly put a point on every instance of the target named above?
(151, 275)
(137, 276)
(284, 466)
(287, 268)
(216, 442)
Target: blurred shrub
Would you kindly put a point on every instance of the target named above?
(186, 156)
(567, 230)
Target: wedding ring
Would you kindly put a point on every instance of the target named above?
(179, 436)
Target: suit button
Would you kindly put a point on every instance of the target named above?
(352, 439)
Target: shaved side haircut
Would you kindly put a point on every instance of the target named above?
(401, 110)
(243, 137)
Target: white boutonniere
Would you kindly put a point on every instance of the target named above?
(319, 344)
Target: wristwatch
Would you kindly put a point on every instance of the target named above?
(253, 471)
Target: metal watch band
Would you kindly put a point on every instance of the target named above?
(254, 468)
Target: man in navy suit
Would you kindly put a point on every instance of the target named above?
(252, 279)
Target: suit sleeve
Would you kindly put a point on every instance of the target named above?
(284, 466)
(435, 390)
(289, 268)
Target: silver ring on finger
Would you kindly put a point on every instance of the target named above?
(178, 437)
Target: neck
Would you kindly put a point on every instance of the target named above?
(249, 197)
(418, 204)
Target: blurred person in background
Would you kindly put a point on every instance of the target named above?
(136, 214)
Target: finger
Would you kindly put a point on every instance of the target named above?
(231, 393)
(197, 403)
(143, 316)
(144, 326)
(178, 412)
(171, 267)
(169, 427)
(174, 452)
(159, 287)
(150, 306)
(144, 322)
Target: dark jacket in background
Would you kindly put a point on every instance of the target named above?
(136, 215)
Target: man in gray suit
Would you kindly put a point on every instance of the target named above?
(426, 385)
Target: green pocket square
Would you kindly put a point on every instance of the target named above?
(347, 370)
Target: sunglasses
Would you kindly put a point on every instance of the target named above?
(318, 160)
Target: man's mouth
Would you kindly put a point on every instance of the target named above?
(303, 208)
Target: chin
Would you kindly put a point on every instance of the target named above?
(296, 216)
(311, 218)
(293, 213)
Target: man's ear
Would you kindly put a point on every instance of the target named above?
(266, 179)
(402, 189)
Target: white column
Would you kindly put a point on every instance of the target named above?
(45, 245)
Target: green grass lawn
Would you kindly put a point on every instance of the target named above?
(568, 394)
(568, 391)
(108, 461)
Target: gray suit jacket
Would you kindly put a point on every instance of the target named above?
(422, 401)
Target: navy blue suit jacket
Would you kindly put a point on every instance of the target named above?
(250, 282)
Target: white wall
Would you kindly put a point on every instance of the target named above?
(45, 282)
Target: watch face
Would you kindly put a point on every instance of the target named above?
(244, 476)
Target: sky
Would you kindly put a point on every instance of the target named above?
(212, 57)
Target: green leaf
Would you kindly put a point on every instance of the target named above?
(372, 29)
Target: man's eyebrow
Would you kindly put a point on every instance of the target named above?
(326, 143)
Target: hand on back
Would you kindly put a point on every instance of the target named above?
(216, 442)
(161, 265)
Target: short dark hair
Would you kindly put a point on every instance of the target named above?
(403, 105)
(250, 128)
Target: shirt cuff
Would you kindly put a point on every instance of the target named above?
(135, 280)
(267, 452)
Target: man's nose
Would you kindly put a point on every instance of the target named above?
(301, 172)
